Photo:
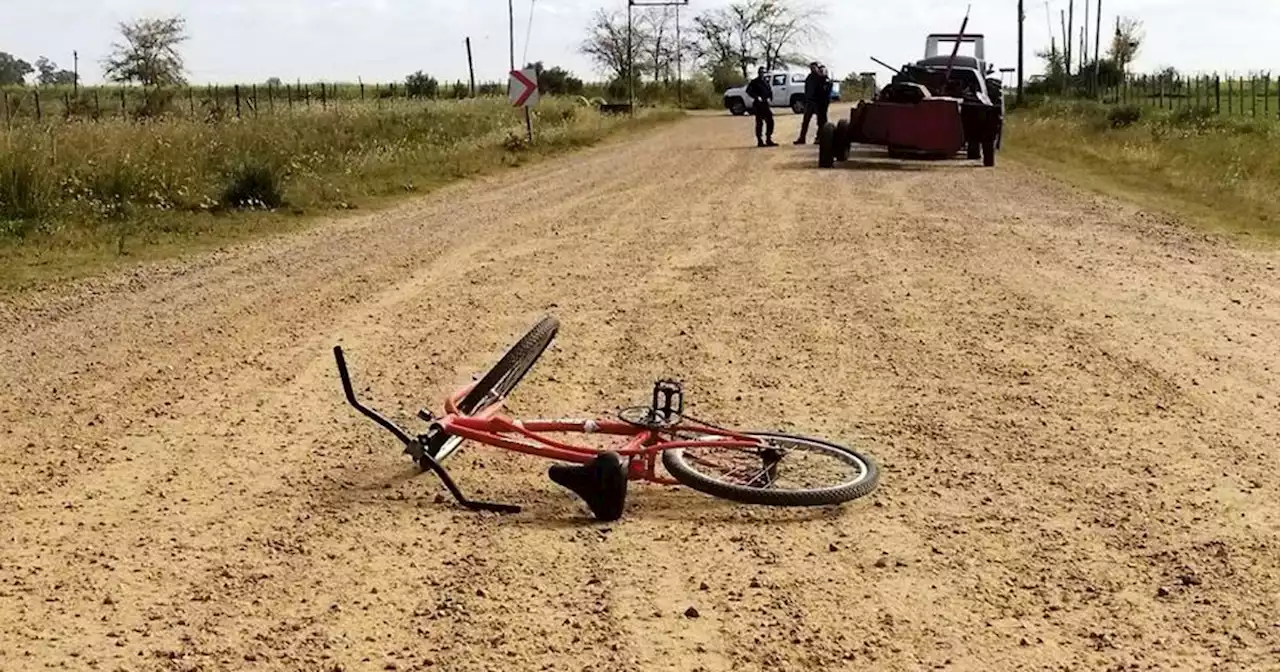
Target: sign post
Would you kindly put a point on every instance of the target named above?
(522, 91)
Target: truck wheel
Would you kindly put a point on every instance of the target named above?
(989, 152)
(737, 107)
(797, 105)
(826, 145)
(843, 141)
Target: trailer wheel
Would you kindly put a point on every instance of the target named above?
(826, 145)
(974, 150)
(989, 152)
(843, 140)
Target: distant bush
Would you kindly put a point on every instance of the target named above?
(421, 85)
(1123, 116)
(253, 184)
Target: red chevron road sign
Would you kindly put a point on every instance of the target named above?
(522, 89)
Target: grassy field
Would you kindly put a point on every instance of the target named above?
(24, 104)
(78, 196)
(1220, 170)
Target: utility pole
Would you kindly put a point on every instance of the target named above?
(1066, 49)
(1097, 49)
(631, 62)
(1085, 50)
(1021, 19)
(471, 68)
(1071, 30)
(679, 72)
(511, 26)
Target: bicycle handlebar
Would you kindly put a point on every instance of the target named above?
(372, 414)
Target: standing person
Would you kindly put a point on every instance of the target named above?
(824, 96)
(812, 90)
(761, 94)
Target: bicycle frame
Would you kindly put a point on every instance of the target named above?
(491, 427)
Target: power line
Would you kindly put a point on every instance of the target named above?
(528, 33)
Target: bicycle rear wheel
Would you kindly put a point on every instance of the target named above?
(503, 377)
(763, 475)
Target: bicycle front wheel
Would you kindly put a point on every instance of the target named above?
(502, 378)
(785, 470)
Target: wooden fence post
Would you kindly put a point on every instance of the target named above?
(324, 101)
(97, 106)
(124, 107)
(191, 102)
(1217, 94)
(237, 101)
(38, 115)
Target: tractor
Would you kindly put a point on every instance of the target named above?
(933, 108)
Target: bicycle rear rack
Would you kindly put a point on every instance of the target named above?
(422, 448)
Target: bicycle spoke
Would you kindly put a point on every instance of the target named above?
(764, 468)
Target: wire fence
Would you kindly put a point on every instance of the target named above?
(213, 102)
(1255, 95)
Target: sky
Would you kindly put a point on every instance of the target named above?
(384, 40)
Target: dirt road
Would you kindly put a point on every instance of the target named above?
(1076, 406)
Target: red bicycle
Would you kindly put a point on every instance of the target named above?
(749, 467)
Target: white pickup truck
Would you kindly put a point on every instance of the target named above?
(788, 91)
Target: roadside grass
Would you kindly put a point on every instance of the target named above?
(78, 198)
(1220, 172)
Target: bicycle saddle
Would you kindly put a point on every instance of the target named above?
(600, 483)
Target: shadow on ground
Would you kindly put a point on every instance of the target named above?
(880, 161)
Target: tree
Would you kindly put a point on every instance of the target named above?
(557, 81)
(150, 53)
(713, 44)
(13, 70)
(1126, 41)
(50, 75)
(782, 28)
(743, 20)
(748, 32)
(421, 85)
(274, 82)
(606, 43)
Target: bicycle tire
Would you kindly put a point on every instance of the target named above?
(500, 380)
(676, 464)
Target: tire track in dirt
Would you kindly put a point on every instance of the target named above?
(1039, 509)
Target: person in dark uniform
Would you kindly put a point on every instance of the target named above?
(761, 93)
(817, 98)
(824, 97)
